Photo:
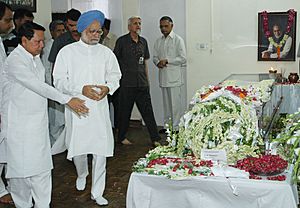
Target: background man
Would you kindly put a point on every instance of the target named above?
(71, 36)
(6, 24)
(169, 55)
(132, 53)
(89, 70)
(12, 40)
(25, 119)
(56, 117)
(109, 39)
(280, 45)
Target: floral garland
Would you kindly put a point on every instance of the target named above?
(291, 18)
(209, 124)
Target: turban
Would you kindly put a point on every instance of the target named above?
(88, 17)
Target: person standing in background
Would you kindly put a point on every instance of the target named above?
(169, 55)
(57, 28)
(132, 53)
(6, 24)
(12, 40)
(109, 40)
(71, 36)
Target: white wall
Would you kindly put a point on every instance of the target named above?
(230, 30)
(43, 15)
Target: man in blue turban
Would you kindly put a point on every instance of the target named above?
(91, 71)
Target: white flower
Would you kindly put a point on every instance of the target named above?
(296, 151)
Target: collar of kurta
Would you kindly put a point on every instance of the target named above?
(171, 35)
(86, 45)
(26, 53)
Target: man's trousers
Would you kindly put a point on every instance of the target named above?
(37, 188)
(98, 172)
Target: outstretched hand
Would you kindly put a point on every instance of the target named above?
(78, 106)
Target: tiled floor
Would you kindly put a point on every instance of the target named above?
(64, 193)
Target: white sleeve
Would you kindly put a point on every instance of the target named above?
(286, 48)
(17, 69)
(113, 73)
(155, 53)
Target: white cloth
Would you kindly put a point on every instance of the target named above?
(98, 172)
(145, 191)
(47, 64)
(79, 64)
(3, 190)
(173, 49)
(174, 104)
(25, 118)
(37, 187)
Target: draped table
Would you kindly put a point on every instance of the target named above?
(291, 98)
(149, 191)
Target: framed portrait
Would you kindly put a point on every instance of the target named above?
(22, 4)
(277, 36)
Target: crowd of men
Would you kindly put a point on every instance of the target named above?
(59, 92)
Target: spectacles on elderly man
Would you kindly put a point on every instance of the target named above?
(100, 32)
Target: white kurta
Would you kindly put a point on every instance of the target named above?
(76, 65)
(25, 117)
(2, 141)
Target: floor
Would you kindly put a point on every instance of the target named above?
(65, 195)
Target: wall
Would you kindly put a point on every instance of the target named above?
(229, 28)
(43, 15)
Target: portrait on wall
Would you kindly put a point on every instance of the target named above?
(277, 36)
(22, 4)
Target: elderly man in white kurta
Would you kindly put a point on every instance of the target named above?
(169, 55)
(6, 24)
(25, 120)
(89, 70)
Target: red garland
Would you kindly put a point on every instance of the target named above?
(291, 18)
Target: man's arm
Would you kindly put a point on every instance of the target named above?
(286, 48)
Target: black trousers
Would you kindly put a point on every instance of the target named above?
(114, 99)
(141, 96)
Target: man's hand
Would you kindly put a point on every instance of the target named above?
(102, 90)
(162, 63)
(78, 106)
(89, 92)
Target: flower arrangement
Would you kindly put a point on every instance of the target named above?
(263, 165)
(174, 167)
(287, 143)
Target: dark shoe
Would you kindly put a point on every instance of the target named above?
(162, 131)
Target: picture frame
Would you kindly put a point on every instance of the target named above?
(277, 36)
(22, 4)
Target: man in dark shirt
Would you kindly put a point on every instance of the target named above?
(20, 17)
(132, 52)
(70, 36)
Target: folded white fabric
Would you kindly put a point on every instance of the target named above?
(229, 172)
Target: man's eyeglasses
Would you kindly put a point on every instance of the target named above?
(100, 32)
